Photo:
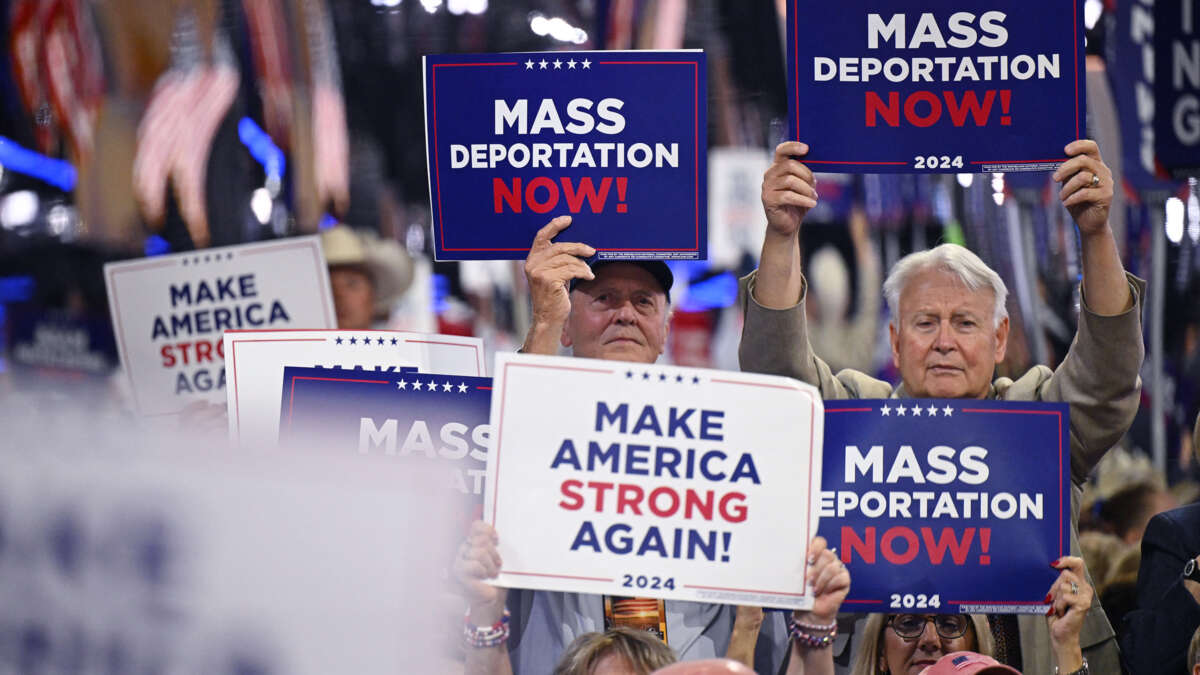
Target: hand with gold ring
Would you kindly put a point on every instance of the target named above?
(1087, 186)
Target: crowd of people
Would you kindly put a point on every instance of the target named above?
(949, 330)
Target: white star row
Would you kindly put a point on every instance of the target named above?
(901, 410)
(558, 64)
(432, 386)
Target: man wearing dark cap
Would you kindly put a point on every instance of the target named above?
(613, 310)
(616, 310)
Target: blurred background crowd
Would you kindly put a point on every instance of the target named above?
(136, 129)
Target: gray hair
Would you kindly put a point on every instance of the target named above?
(952, 258)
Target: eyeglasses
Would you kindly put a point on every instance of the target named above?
(910, 626)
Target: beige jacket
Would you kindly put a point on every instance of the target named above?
(1098, 378)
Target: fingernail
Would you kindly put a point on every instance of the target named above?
(1056, 562)
(1050, 612)
(1049, 597)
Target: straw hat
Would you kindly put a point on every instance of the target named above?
(387, 263)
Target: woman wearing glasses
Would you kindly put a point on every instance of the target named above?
(906, 644)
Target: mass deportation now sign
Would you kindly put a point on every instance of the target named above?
(170, 312)
(615, 139)
(924, 498)
(654, 481)
(878, 87)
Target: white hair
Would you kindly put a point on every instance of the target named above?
(952, 258)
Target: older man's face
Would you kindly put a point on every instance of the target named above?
(943, 338)
(620, 315)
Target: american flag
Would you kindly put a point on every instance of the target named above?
(331, 145)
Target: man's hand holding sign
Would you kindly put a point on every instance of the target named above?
(949, 330)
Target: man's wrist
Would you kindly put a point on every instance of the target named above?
(542, 337)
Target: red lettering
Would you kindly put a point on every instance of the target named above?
(946, 540)
(887, 545)
(692, 503)
(910, 108)
(531, 194)
(600, 489)
(204, 351)
(865, 547)
(576, 499)
(501, 194)
(586, 190)
(890, 112)
(970, 104)
(735, 514)
(167, 356)
(631, 496)
(661, 512)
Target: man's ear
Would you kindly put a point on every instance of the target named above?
(1001, 339)
(666, 332)
(894, 336)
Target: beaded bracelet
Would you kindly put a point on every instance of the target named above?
(482, 638)
(816, 627)
(797, 632)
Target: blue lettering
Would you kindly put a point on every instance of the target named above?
(636, 459)
(604, 414)
(586, 537)
(566, 454)
(611, 455)
(679, 423)
(710, 429)
(745, 469)
(647, 420)
(704, 460)
(653, 542)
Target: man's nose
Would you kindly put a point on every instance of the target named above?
(944, 341)
(625, 312)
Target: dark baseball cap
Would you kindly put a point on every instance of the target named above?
(657, 269)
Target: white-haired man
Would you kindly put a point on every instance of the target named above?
(606, 310)
(950, 328)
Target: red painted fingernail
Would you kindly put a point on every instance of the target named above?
(1056, 561)
(1050, 612)
(1049, 597)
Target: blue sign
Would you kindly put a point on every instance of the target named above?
(410, 415)
(935, 86)
(1177, 87)
(1128, 63)
(617, 140)
(947, 505)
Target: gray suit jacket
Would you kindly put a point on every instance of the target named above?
(1098, 378)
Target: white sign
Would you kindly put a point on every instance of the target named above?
(256, 359)
(657, 481)
(169, 312)
(180, 558)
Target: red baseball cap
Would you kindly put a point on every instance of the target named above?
(969, 663)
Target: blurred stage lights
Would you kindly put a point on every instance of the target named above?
(431, 6)
(260, 204)
(965, 179)
(466, 6)
(1174, 224)
(385, 3)
(556, 28)
(18, 209)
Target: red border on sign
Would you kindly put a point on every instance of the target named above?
(499, 443)
(695, 151)
(795, 95)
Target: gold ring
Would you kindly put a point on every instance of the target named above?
(1095, 180)
(1074, 588)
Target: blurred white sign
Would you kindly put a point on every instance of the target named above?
(169, 312)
